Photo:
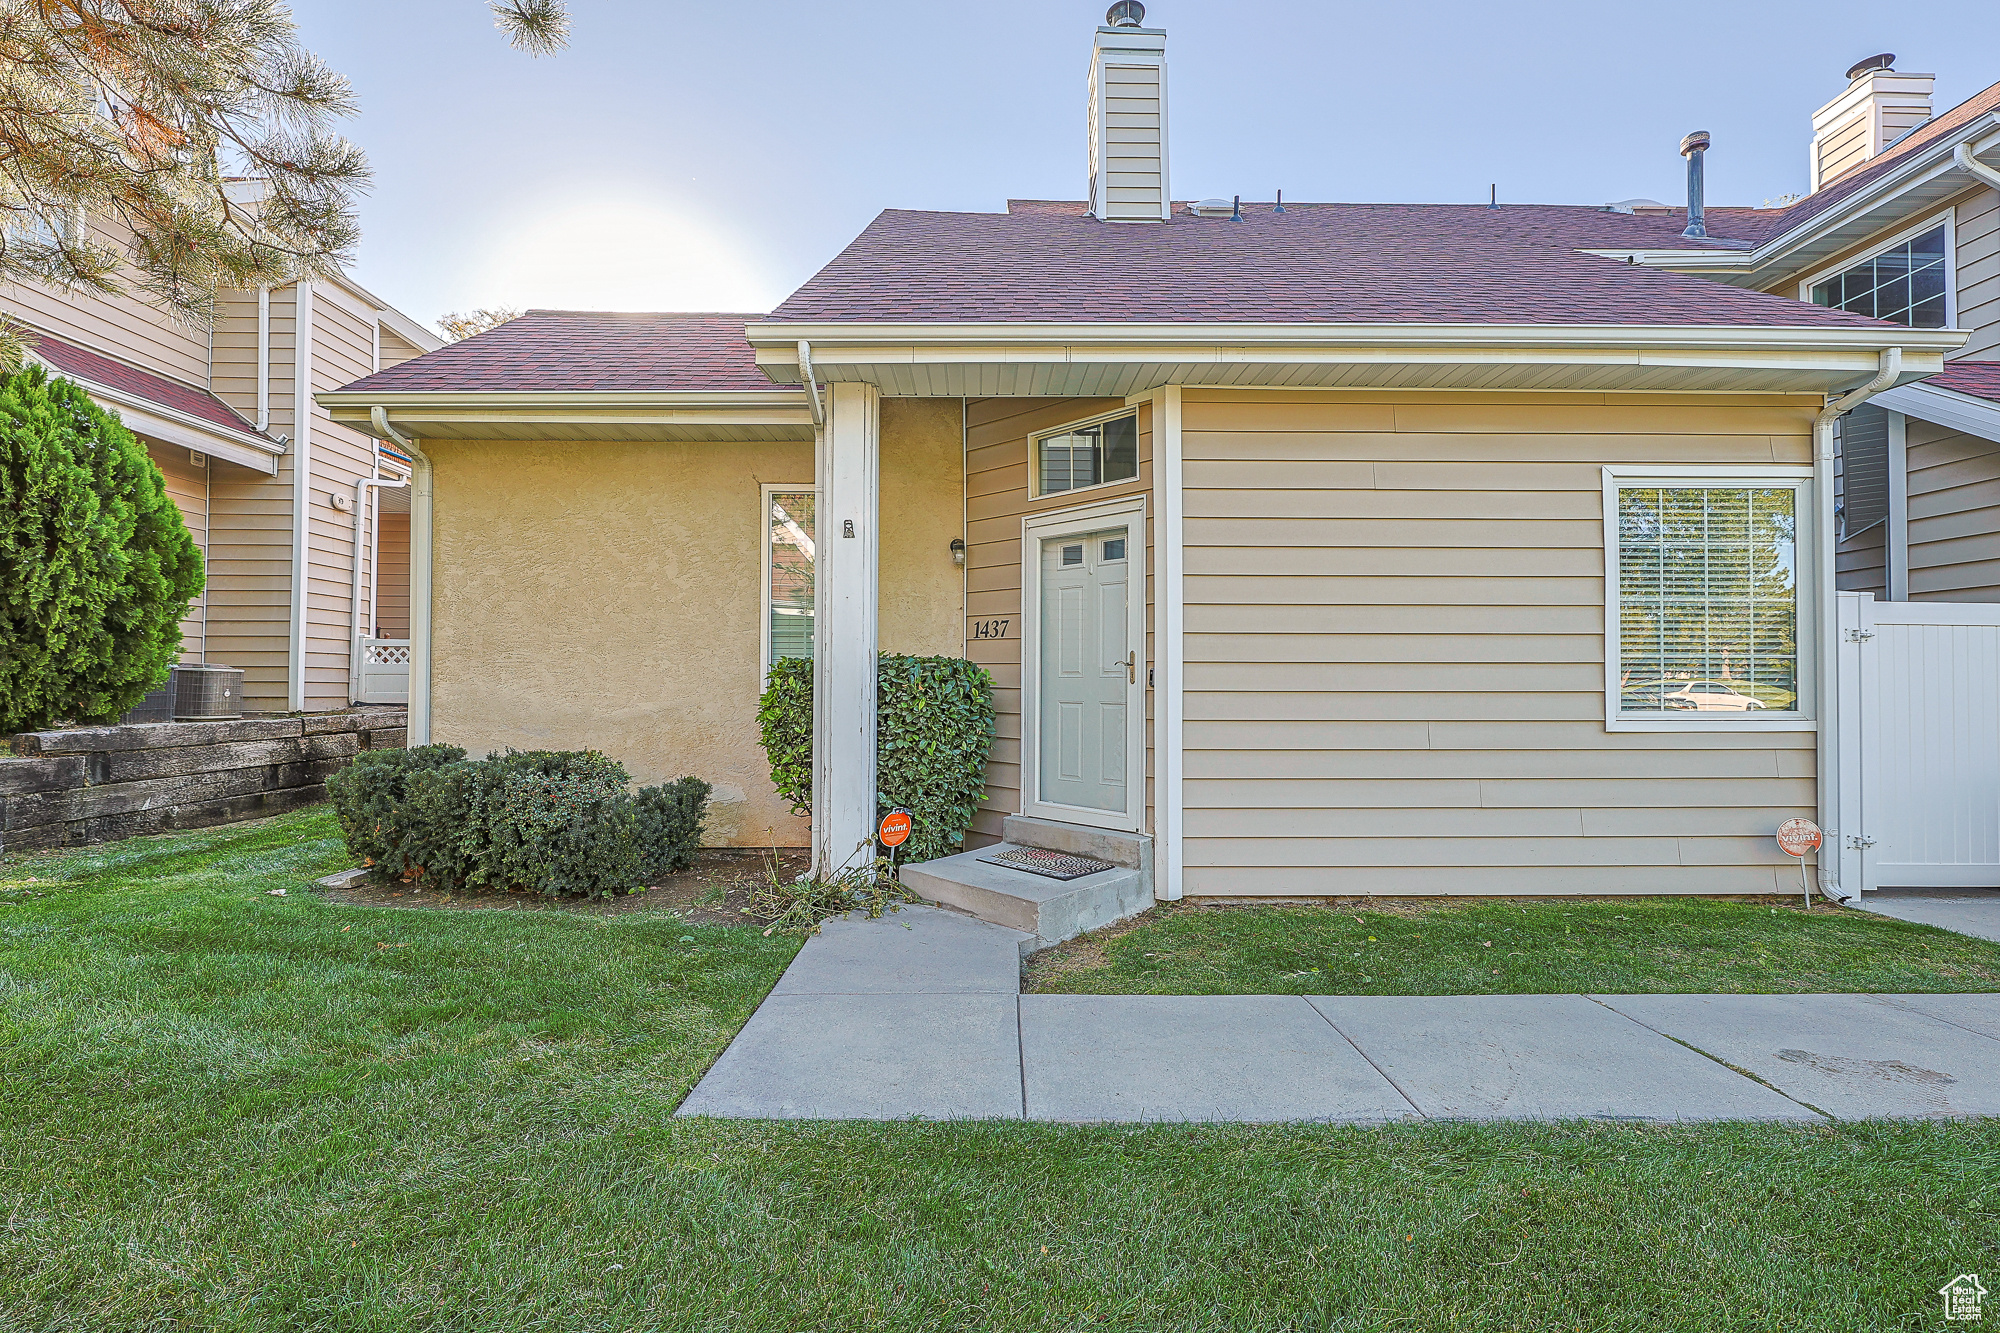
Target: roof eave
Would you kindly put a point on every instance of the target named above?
(1048, 359)
(615, 414)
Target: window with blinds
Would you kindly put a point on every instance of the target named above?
(1707, 600)
(1093, 454)
(788, 574)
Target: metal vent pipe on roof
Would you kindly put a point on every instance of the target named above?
(1694, 148)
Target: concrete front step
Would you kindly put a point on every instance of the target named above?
(1050, 910)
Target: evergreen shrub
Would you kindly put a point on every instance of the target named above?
(555, 822)
(933, 731)
(96, 567)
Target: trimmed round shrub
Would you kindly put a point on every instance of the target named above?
(933, 731)
(96, 567)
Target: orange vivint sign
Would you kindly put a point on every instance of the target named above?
(1798, 837)
(895, 830)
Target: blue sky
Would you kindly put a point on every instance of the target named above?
(712, 156)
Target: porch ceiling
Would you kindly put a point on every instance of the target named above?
(774, 414)
(1046, 360)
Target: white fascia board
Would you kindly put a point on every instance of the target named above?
(757, 407)
(1944, 407)
(777, 345)
(1681, 261)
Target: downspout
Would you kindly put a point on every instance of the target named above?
(1962, 155)
(1827, 739)
(302, 479)
(811, 383)
(421, 490)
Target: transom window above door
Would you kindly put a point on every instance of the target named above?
(1094, 453)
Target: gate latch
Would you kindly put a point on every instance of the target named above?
(1859, 635)
(1859, 842)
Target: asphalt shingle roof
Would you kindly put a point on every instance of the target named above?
(587, 350)
(75, 362)
(1311, 264)
(1980, 379)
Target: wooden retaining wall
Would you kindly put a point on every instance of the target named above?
(98, 784)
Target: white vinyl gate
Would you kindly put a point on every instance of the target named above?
(1919, 785)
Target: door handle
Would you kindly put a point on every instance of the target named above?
(1132, 668)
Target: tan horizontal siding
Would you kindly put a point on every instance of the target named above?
(1395, 652)
(1954, 507)
(997, 499)
(392, 589)
(187, 486)
(1978, 242)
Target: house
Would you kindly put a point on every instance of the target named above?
(1315, 549)
(279, 497)
(1903, 223)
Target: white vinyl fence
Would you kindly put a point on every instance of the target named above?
(384, 675)
(1919, 776)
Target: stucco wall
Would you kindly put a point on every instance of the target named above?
(607, 595)
(923, 508)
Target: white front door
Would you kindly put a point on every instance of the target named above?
(1088, 715)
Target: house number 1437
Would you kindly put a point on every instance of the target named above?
(990, 629)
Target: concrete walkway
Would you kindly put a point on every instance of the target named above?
(1968, 911)
(919, 1014)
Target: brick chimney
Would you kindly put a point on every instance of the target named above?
(1128, 119)
(1879, 107)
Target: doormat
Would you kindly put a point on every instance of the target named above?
(1054, 865)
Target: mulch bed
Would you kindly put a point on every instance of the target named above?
(712, 892)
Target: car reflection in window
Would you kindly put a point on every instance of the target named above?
(1702, 695)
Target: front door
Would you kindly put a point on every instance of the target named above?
(1090, 701)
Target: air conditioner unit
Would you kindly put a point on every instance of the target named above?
(157, 706)
(204, 693)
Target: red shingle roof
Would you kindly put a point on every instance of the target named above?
(75, 362)
(585, 351)
(1311, 264)
(1980, 379)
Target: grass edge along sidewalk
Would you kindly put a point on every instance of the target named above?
(227, 1110)
(1510, 946)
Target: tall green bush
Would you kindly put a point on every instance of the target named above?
(96, 567)
(555, 822)
(933, 731)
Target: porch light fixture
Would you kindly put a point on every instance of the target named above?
(958, 550)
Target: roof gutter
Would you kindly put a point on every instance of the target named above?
(1977, 169)
(422, 489)
(1828, 759)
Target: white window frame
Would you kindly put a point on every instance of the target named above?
(1806, 585)
(1948, 217)
(765, 492)
(1035, 453)
(1035, 529)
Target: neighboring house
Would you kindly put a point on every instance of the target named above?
(228, 417)
(1283, 533)
(1903, 223)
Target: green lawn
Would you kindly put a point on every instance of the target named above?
(225, 1110)
(1501, 947)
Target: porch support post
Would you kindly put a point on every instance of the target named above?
(844, 621)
